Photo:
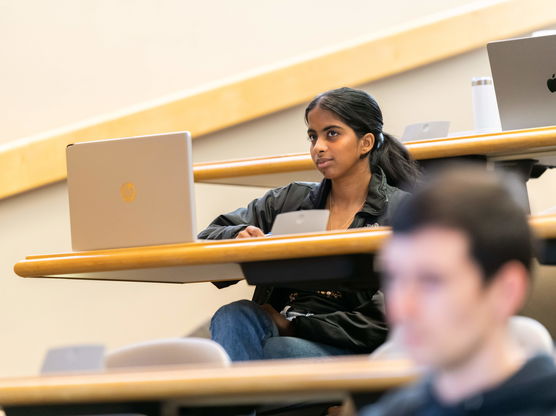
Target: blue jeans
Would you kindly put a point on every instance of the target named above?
(246, 332)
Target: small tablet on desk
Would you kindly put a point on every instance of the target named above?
(524, 77)
(307, 221)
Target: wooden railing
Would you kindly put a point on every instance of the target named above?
(511, 144)
(32, 162)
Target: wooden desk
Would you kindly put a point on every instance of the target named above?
(325, 379)
(544, 226)
(201, 261)
(538, 144)
(545, 229)
(229, 259)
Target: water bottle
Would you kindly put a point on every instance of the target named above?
(485, 108)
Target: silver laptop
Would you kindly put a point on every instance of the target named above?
(306, 221)
(425, 131)
(134, 191)
(524, 75)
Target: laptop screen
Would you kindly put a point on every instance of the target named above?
(524, 75)
(133, 191)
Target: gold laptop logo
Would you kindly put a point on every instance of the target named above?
(128, 192)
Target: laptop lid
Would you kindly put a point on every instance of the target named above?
(424, 131)
(523, 71)
(305, 221)
(132, 191)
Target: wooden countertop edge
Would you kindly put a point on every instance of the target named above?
(234, 251)
(483, 144)
(359, 374)
(207, 252)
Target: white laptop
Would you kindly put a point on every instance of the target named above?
(524, 75)
(134, 191)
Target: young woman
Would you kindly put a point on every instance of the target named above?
(363, 169)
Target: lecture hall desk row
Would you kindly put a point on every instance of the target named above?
(327, 256)
(532, 148)
(160, 391)
(334, 258)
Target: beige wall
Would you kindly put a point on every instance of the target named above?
(76, 59)
(64, 61)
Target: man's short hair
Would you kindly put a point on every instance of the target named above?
(483, 205)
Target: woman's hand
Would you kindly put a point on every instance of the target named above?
(284, 326)
(250, 232)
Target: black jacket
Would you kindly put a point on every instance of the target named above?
(529, 392)
(361, 326)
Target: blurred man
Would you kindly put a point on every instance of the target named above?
(455, 271)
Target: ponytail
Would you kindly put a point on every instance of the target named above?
(395, 161)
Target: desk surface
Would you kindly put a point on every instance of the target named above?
(198, 261)
(204, 260)
(544, 226)
(238, 383)
(539, 143)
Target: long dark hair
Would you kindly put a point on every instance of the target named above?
(361, 112)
